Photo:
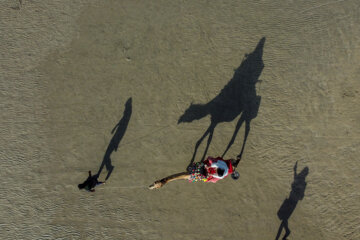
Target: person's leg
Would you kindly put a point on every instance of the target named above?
(162, 182)
(287, 230)
(280, 230)
(99, 183)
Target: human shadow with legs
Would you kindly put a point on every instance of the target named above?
(237, 97)
(288, 206)
(118, 131)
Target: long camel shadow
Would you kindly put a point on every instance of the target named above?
(237, 97)
(288, 206)
(118, 131)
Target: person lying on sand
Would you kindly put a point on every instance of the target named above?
(210, 170)
(90, 183)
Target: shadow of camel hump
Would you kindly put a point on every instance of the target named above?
(288, 206)
(118, 131)
(237, 97)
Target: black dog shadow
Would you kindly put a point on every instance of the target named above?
(237, 97)
(119, 130)
(288, 206)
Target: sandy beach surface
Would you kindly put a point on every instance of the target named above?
(89, 82)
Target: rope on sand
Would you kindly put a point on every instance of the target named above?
(129, 187)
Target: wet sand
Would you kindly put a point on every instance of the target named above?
(69, 67)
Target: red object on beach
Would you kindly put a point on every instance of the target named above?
(209, 161)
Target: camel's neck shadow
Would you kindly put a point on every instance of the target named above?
(238, 97)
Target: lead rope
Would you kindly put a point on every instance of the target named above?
(129, 187)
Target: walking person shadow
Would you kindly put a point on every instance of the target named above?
(90, 183)
(118, 131)
(288, 206)
(237, 97)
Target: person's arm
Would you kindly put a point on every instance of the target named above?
(295, 168)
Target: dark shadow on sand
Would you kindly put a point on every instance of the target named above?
(90, 183)
(118, 131)
(288, 206)
(237, 97)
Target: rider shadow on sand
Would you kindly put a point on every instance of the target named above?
(288, 206)
(237, 97)
(118, 131)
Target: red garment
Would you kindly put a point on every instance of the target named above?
(211, 171)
